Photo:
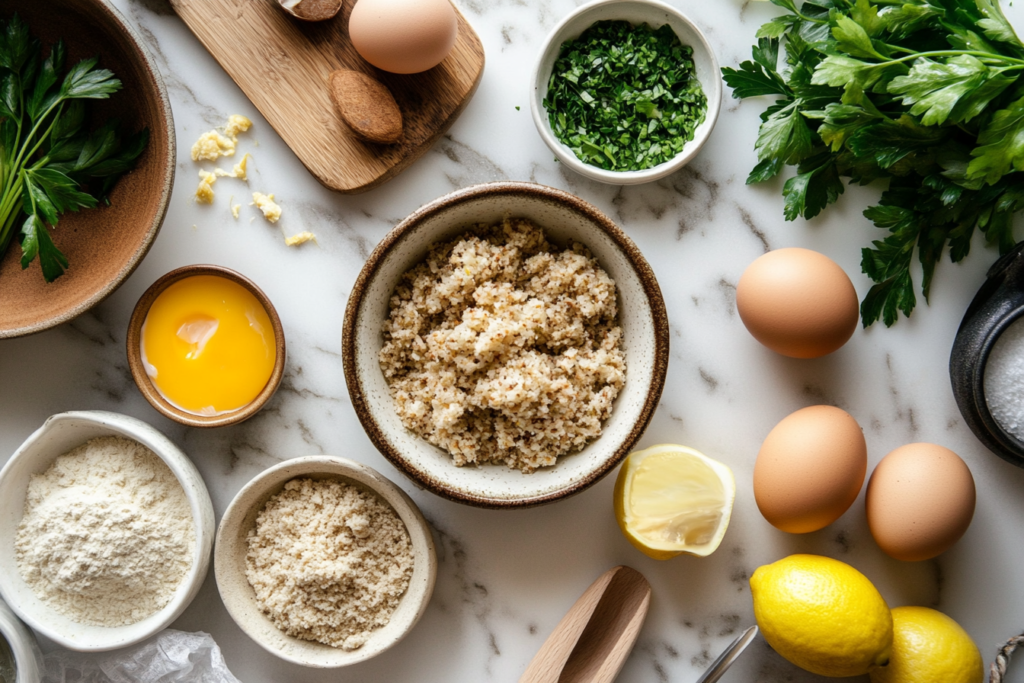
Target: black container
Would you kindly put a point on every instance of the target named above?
(998, 304)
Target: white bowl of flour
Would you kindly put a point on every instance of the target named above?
(91, 564)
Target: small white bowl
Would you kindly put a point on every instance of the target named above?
(563, 217)
(28, 664)
(57, 436)
(240, 598)
(656, 14)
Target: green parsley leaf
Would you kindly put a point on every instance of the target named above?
(50, 163)
(995, 24)
(36, 241)
(1000, 145)
(926, 95)
(626, 97)
(958, 89)
(785, 135)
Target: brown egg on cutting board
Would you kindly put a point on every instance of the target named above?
(403, 36)
(797, 302)
(810, 469)
(920, 501)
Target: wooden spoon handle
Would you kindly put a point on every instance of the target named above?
(591, 642)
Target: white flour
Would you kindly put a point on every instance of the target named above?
(107, 534)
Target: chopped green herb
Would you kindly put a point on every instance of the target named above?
(926, 94)
(50, 163)
(624, 97)
(517, 108)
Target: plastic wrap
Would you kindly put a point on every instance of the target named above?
(168, 657)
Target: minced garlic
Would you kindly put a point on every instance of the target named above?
(235, 208)
(237, 124)
(265, 203)
(237, 172)
(211, 146)
(204, 193)
(301, 238)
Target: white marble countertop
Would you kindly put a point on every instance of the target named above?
(506, 578)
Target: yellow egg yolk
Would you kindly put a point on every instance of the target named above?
(208, 345)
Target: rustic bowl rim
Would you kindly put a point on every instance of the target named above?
(145, 384)
(255, 494)
(713, 91)
(652, 293)
(167, 185)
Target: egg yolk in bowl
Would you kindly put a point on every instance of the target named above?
(208, 345)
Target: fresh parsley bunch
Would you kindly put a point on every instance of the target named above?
(624, 97)
(925, 93)
(49, 162)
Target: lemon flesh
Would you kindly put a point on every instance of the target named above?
(672, 499)
(822, 615)
(929, 647)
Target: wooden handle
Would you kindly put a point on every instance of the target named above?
(591, 642)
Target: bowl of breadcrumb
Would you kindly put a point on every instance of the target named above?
(506, 345)
(324, 562)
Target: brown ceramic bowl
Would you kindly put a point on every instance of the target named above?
(142, 379)
(563, 217)
(104, 245)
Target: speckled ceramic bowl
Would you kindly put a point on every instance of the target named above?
(240, 599)
(636, 12)
(103, 245)
(138, 368)
(57, 436)
(642, 316)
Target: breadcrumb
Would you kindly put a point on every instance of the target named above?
(329, 562)
(501, 348)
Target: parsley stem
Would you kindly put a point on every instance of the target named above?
(8, 212)
(951, 53)
(22, 157)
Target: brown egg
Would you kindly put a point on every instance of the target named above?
(810, 469)
(797, 302)
(920, 501)
(403, 36)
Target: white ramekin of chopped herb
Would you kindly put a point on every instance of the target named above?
(626, 91)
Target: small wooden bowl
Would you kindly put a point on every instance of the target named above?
(104, 245)
(138, 369)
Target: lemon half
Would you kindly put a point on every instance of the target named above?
(672, 499)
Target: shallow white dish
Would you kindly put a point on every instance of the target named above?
(57, 436)
(642, 316)
(240, 598)
(656, 14)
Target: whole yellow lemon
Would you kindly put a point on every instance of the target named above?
(822, 615)
(929, 647)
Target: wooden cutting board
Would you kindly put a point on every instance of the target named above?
(282, 65)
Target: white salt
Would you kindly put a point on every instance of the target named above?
(1004, 380)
